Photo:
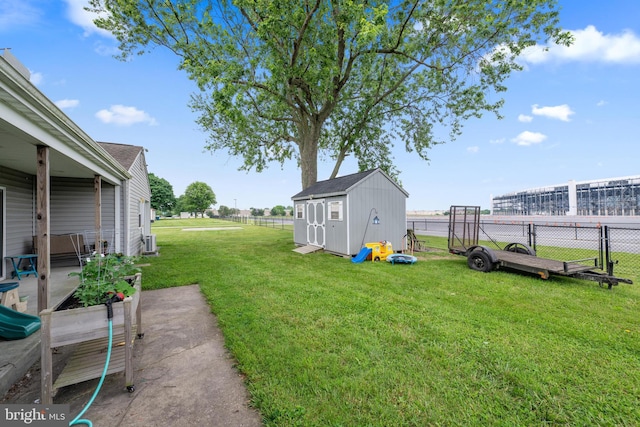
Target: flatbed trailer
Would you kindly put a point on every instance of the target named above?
(464, 229)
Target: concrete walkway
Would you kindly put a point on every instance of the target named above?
(183, 374)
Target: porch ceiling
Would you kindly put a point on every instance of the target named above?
(18, 152)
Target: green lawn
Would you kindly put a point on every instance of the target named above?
(325, 342)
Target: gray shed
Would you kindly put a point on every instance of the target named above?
(340, 215)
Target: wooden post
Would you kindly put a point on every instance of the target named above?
(42, 226)
(46, 359)
(128, 344)
(97, 190)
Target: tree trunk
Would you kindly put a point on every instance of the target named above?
(309, 154)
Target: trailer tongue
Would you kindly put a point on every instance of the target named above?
(464, 231)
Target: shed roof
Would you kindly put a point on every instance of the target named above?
(340, 185)
(123, 153)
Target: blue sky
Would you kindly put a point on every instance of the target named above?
(574, 113)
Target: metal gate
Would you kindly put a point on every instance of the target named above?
(315, 223)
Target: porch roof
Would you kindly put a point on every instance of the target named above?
(29, 119)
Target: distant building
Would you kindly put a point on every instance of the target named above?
(603, 197)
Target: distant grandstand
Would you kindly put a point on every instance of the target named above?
(604, 197)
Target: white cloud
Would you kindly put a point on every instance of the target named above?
(473, 149)
(601, 103)
(78, 15)
(36, 78)
(67, 103)
(497, 141)
(17, 13)
(589, 45)
(105, 50)
(124, 116)
(524, 118)
(527, 138)
(560, 112)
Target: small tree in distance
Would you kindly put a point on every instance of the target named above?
(198, 197)
(225, 211)
(278, 210)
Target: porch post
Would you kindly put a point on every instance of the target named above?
(43, 190)
(97, 191)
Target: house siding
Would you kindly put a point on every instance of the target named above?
(139, 205)
(377, 192)
(20, 214)
(336, 230)
(299, 225)
(73, 202)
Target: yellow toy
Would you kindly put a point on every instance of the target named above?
(379, 250)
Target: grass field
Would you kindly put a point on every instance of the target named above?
(325, 342)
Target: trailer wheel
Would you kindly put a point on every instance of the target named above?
(520, 248)
(479, 261)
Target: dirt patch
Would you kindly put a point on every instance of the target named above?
(27, 388)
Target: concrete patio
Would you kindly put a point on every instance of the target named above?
(17, 356)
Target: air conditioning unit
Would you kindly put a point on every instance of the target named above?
(150, 243)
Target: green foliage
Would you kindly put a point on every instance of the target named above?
(257, 212)
(278, 210)
(290, 79)
(102, 275)
(198, 197)
(162, 198)
(225, 211)
(325, 342)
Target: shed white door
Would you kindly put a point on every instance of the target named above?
(315, 222)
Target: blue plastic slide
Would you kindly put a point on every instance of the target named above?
(362, 255)
(15, 325)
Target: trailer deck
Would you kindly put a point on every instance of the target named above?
(541, 266)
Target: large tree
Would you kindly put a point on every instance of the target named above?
(304, 78)
(198, 197)
(162, 198)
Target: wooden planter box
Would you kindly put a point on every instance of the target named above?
(89, 327)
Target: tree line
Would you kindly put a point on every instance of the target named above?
(198, 198)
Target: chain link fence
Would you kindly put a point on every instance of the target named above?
(278, 222)
(624, 245)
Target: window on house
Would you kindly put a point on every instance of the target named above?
(335, 211)
(299, 211)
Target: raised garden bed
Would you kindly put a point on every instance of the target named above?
(89, 327)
